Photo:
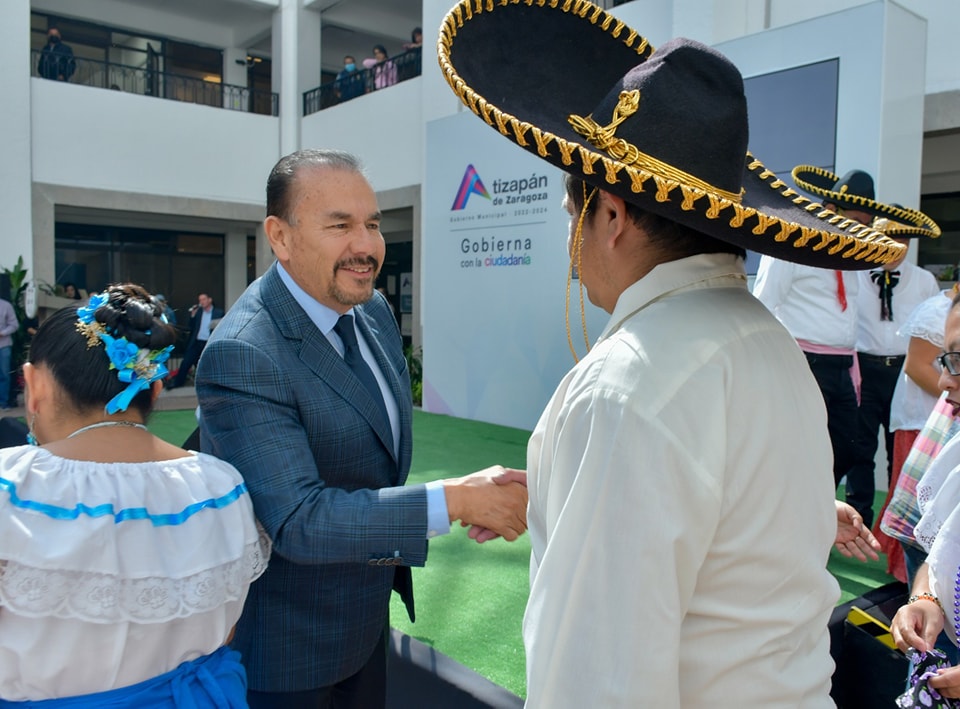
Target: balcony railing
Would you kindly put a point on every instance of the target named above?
(364, 81)
(150, 82)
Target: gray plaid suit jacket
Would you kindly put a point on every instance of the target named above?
(279, 403)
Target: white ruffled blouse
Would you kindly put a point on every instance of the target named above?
(114, 573)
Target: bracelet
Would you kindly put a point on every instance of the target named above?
(926, 597)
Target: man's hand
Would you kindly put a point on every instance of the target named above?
(493, 501)
(510, 475)
(853, 538)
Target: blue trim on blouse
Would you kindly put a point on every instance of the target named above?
(124, 515)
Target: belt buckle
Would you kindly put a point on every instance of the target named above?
(890, 360)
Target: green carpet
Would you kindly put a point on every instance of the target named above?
(470, 597)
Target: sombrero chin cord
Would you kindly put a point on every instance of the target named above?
(575, 256)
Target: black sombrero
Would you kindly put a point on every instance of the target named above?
(573, 84)
(855, 191)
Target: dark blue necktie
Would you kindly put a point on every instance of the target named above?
(354, 360)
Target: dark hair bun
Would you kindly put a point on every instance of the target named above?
(131, 312)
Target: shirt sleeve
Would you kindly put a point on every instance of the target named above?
(774, 279)
(438, 518)
(927, 320)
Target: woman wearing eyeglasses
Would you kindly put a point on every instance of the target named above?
(934, 603)
(914, 397)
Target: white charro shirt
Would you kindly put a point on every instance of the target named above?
(882, 337)
(682, 509)
(805, 300)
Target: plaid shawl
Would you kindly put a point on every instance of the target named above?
(903, 512)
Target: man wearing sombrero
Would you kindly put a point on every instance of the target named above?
(681, 500)
(830, 317)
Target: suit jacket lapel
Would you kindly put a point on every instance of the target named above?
(316, 352)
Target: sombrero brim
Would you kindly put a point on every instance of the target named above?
(901, 221)
(525, 66)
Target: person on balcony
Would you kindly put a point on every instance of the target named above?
(350, 82)
(384, 71)
(56, 59)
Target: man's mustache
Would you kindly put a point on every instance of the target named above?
(367, 261)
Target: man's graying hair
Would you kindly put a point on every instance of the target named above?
(281, 185)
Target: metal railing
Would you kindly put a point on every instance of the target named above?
(363, 81)
(150, 82)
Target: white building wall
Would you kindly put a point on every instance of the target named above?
(96, 138)
(383, 128)
(16, 238)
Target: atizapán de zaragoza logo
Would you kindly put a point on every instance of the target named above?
(470, 184)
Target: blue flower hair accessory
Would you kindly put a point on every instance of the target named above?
(137, 367)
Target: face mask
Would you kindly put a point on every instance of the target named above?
(350, 67)
(54, 39)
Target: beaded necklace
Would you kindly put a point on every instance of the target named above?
(104, 424)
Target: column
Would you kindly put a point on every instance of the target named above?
(15, 163)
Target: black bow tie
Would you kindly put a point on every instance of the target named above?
(887, 281)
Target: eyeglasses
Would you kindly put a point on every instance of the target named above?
(950, 361)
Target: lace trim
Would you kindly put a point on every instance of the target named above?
(108, 598)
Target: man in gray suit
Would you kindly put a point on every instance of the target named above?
(323, 442)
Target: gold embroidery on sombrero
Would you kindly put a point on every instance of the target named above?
(543, 140)
(612, 168)
(740, 215)
(637, 179)
(825, 238)
(786, 229)
(519, 128)
(866, 242)
(764, 222)
(641, 167)
(806, 234)
(690, 196)
(604, 138)
(587, 158)
(664, 188)
(566, 150)
(716, 204)
(581, 8)
(911, 220)
(840, 245)
(501, 118)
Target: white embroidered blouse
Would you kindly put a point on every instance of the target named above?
(115, 573)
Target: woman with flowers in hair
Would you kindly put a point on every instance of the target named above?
(124, 560)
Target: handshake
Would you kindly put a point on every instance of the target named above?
(492, 502)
